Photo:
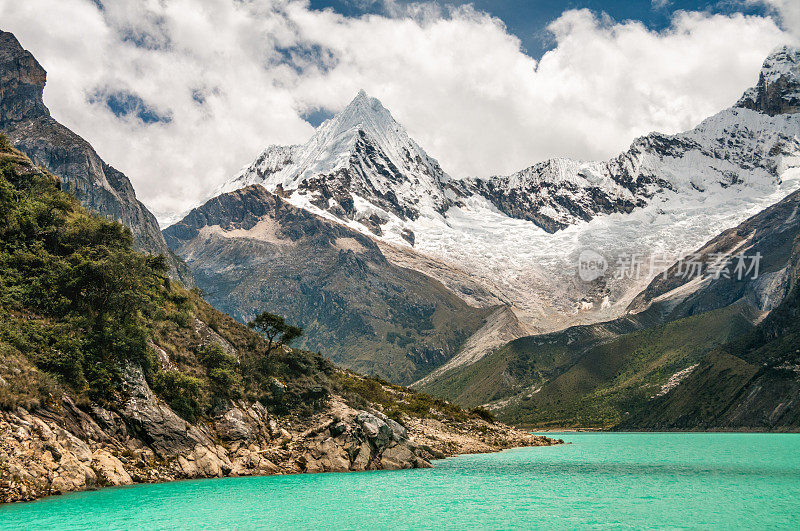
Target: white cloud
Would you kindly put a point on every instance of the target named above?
(235, 76)
(788, 12)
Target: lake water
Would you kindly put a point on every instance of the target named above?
(605, 480)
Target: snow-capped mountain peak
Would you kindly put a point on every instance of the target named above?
(522, 233)
(778, 88)
(359, 166)
(365, 114)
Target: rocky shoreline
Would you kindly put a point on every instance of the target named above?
(64, 448)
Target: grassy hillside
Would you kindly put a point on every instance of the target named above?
(78, 307)
(521, 364)
(617, 378)
(751, 383)
(588, 376)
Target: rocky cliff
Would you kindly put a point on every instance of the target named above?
(110, 373)
(778, 88)
(26, 122)
(65, 447)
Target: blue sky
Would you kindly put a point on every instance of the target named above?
(528, 19)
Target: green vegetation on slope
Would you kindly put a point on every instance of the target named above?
(587, 376)
(79, 307)
(522, 363)
(752, 383)
(618, 377)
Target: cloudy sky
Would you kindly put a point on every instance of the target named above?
(180, 94)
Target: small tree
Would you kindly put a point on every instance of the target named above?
(275, 329)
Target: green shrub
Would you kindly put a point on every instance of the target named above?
(222, 370)
(483, 413)
(185, 394)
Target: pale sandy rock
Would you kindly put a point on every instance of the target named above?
(110, 469)
(334, 458)
(72, 475)
(363, 457)
(52, 452)
(310, 465)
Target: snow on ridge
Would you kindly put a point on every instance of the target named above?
(361, 152)
(783, 61)
(523, 233)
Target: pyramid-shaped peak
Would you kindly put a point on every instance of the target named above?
(365, 107)
(366, 114)
(782, 61)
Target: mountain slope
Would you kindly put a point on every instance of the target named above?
(770, 235)
(674, 361)
(251, 251)
(111, 374)
(520, 236)
(27, 123)
(750, 384)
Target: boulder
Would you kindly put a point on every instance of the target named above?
(72, 475)
(232, 425)
(110, 469)
(398, 457)
(168, 434)
(363, 456)
(333, 457)
(375, 429)
(337, 429)
(399, 432)
(310, 465)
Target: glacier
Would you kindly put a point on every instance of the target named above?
(520, 235)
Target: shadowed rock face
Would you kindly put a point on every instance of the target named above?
(23, 80)
(252, 251)
(769, 234)
(778, 88)
(27, 123)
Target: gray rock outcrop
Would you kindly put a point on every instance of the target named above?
(26, 122)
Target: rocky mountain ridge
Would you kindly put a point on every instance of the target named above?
(359, 166)
(778, 88)
(382, 163)
(27, 123)
(251, 250)
(726, 150)
(520, 236)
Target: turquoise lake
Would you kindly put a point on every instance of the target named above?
(602, 480)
